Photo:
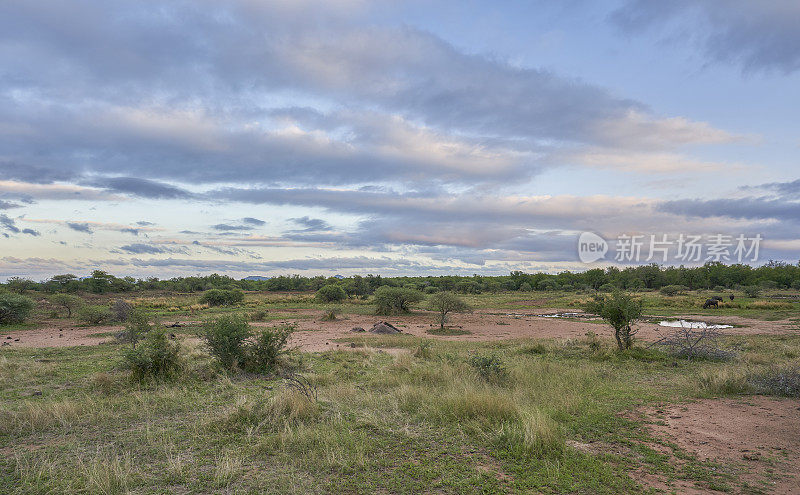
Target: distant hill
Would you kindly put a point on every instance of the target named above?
(256, 277)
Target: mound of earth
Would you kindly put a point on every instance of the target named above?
(357, 329)
(384, 328)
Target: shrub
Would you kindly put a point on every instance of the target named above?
(68, 302)
(14, 308)
(607, 288)
(329, 315)
(93, 315)
(259, 315)
(263, 354)
(752, 291)
(225, 338)
(156, 357)
(490, 368)
(331, 293)
(781, 381)
(120, 310)
(222, 297)
(525, 287)
(137, 327)
(392, 300)
(620, 310)
(431, 290)
(444, 303)
(672, 290)
(231, 340)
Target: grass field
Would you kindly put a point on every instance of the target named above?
(394, 414)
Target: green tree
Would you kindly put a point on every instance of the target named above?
(14, 308)
(392, 300)
(68, 302)
(444, 303)
(619, 310)
(331, 293)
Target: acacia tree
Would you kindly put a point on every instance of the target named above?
(619, 310)
(68, 302)
(446, 302)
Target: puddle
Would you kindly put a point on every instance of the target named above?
(692, 324)
(562, 315)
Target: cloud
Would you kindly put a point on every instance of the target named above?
(189, 102)
(229, 227)
(79, 227)
(7, 205)
(757, 36)
(253, 221)
(9, 224)
(142, 249)
(143, 188)
(32, 232)
(311, 224)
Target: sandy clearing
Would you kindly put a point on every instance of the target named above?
(483, 325)
(758, 437)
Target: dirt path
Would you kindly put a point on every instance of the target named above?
(482, 325)
(757, 437)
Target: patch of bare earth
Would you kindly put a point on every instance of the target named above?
(756, 438)
(483, 325)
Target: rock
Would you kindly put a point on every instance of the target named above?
(37, 392)
(384, 328)
(357, 329)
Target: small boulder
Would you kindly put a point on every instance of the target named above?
(357, 329)
(384, 328)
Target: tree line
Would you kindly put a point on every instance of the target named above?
(774, 274)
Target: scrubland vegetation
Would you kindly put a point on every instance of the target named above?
(225, 405)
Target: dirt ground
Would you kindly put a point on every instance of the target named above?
(757, 438)
(485, 325)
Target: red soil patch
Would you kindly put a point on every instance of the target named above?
(758, 438)
(482, 325)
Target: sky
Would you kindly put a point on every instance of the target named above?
(258, 137)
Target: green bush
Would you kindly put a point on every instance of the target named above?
(93, 315)
(14, 308)
(137, 326)
(525, 287)
(68, 302)
(156, 357)
(331, 293)
(752, 291)
(619, 310)
(431, 289)
(226, 338)
(490, 368)
(231, 340)
(222, 297)
(264, 353)
(672, 290)
(392, 300)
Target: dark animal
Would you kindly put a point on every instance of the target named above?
(731, 296)
(710, 302)
(717, 298)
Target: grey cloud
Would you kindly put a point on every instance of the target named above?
(79, 227)
(31, 173)
(130, 231)
(7, 205)
(142, 249)
(144, 188)
(753, 35)
(9, 224)
(217, 57)
(229, 227)
(741, 208)
(311, 224)
(253, 221)
(32, 232)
